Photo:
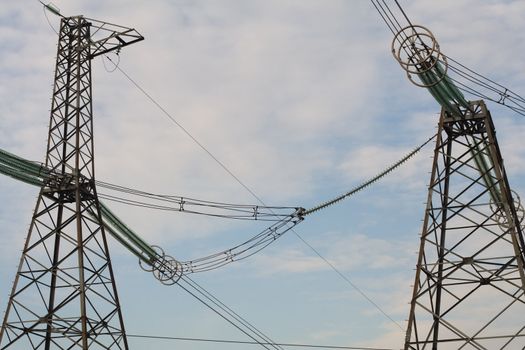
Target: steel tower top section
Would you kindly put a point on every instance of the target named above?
(65, 260)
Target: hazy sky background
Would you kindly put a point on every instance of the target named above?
(301, 100)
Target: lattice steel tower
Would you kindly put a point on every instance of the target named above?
(470, 278)
(469, 286)
(64, 295)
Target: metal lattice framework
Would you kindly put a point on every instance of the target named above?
(64, 295)
(469, 290)
(470, 279)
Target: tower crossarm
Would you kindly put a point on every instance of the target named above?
(107, 37)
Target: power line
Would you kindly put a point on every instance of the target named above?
(404, 13)
(225, 312)
(167, 114)
(240, 342)
(225, 168)
(252, 192)
(463, 76)
(347, 280)
(197, 206)
(173, 120)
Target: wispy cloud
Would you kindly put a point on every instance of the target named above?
(346, 251)
(300, 99)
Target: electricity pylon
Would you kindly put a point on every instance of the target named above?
(64, 294)
(470, 279)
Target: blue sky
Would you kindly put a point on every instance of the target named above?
(302, 100)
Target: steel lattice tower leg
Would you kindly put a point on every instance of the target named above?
(470, 279)
(64, 295)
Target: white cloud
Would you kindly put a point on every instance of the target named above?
(297, 98)
(348, 252)
(368, 161)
